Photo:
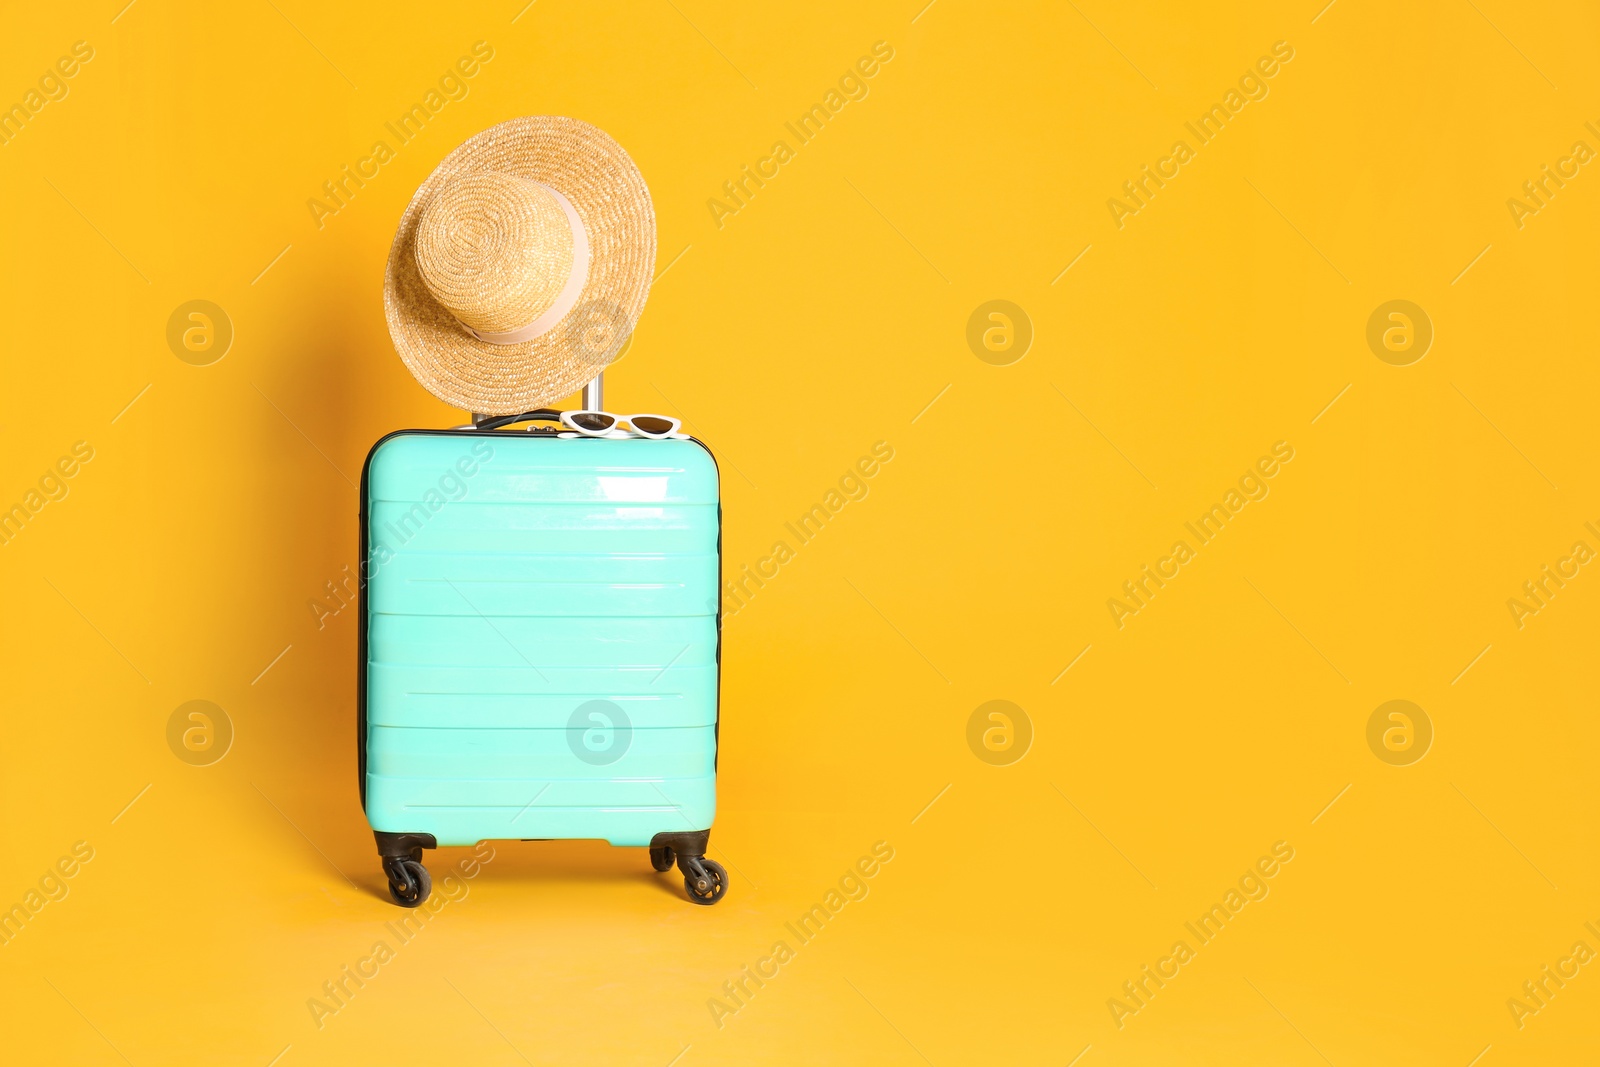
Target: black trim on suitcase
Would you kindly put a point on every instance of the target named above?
(704, 879)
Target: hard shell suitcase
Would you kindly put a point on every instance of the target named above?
(540, 644)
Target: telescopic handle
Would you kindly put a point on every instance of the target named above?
(593, 400)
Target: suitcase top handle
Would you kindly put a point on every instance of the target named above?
(497, 422)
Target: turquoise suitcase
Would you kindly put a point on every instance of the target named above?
(540, 645)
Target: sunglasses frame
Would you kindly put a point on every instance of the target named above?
(568, 419)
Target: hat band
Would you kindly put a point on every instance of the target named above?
(566, 299)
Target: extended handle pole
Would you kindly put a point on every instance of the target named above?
(593, 400)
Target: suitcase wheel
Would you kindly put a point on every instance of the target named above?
(409, 883)
(704, 879)
(662, 859)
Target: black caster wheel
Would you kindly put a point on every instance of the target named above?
(704, 880)
(662, 859)
(409, 883)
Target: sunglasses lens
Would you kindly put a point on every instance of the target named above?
(651, 424)
(594, 422)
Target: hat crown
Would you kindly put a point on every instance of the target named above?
(494, 249)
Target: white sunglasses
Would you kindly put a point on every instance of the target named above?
(603, 423)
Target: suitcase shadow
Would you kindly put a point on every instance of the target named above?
(549, 864)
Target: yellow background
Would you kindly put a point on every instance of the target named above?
(823, 317)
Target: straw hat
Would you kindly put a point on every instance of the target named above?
(521, 265)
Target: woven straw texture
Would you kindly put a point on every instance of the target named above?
(498, 251)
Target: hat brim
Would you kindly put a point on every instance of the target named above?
(608, 192)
